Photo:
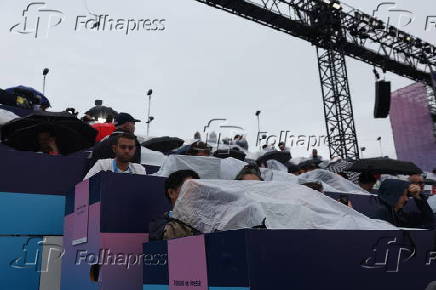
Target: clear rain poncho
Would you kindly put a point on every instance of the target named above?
(227, 169)
(220, 205)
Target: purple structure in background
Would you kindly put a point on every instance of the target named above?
(412, 126)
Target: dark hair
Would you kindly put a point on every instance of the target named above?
(315, 186)
(249, 169)
(292, 168)
(367, 178)
(109, 119)
(307, 165)
(124, 135)
(282, 143)
(198, 147)
(176, 179)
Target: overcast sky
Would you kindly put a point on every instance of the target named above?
(205, 64)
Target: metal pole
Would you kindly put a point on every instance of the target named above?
(148, 115)
(381, 149)
(43, 85)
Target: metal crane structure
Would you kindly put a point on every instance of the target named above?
(338, 30)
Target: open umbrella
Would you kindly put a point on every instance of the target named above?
(71, 134)
(163, 144)
(237, 154)
(33, 96)
(101, 112)
(280, 156)
(385, 166)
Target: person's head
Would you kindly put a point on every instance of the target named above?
(199, 149)
(292, 168)
(125, 147)
(394, 192)
(315, 186)
(45, 138)
(249, 172)
(237, 137)
(314, 153)
(434, 170)
(367, 181)
(175, 181)
(417, 179)
(109, 119)
(307, 166)
(126, 122)
(282, 146)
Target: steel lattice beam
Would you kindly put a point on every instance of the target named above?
(338, 109)
(338, 31)
(364, 38)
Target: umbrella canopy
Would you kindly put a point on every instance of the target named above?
(163, 144)
(280, 156)
(33, 96)
(237, 154)
(385, 166)
(101, 112)
(71, 134)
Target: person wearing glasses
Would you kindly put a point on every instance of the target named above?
(124, 150)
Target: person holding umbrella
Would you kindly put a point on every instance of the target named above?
(47, 143)
(393, 196)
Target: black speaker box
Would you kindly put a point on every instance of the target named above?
(382, 99)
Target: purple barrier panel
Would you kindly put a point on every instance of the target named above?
(108, 243)
(304, 259)
(180, 251)
(29, 172)
(366, 204)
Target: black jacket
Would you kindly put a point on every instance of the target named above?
(103, 149)
(389, 194)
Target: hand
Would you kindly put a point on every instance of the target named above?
(415, 190)
(53, 146)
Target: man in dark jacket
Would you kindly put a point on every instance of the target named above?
(393, 196)
(166, 227)
(125, 123)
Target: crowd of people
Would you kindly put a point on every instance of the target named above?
(118, 150)
(118, 153)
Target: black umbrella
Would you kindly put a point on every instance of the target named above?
(237, 154)
(385, 166)
(33, 96)
(71, 134)
(163, 144)
(100, 111)
(280, 156)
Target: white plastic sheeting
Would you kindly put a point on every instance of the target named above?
(276, 165)
(206, 167)
(150, 157)
(6, 116)
(215, 168)
(211, 205)
(337, 182)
